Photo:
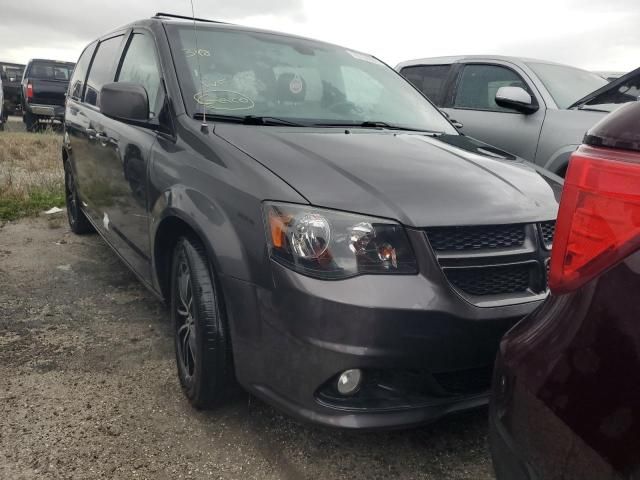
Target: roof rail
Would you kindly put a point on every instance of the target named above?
(182, 17)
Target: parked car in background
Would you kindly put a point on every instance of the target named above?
(11, 74)
(321, 233)
(44, 85)
(531, 108)
(566, 400)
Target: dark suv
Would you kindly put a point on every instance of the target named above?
(322, 234)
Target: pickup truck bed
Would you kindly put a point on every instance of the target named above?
(44, 86)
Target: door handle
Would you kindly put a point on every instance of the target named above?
(103, 138)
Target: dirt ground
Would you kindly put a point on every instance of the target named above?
(88, 389)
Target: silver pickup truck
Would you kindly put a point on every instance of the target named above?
(535, 109)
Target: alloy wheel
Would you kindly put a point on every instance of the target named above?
(185, 320)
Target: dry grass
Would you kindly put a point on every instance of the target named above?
(31, 173)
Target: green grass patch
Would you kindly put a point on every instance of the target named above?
(13, 207)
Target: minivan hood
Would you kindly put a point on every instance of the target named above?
(415, 178)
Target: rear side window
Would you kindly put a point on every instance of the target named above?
(479, 84)
(140, 66)
(102, 69)
(76, 86)
(429, 79)
(50, 71)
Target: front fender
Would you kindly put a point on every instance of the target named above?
(210, 221)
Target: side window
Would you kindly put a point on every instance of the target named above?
(140, 66)
(102, 69)
(429, 79)
(479, 84)
(76, 85)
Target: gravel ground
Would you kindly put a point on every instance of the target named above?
(88, 389)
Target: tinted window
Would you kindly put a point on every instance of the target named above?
(50, 71)
(14, 74)
(140, 66)
(233, 72)
(479, 84)
(566, 85)
(102, 69)
(429, 79)
(76, 86)
(628, 90)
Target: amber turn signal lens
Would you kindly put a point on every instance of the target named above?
(278, 226)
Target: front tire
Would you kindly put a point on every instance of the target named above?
(78, 222)
(203, 350)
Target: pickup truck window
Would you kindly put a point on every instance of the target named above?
(429, 79)
(76, 86)
(102, 69)
(479, 84)
(50, 71)
(141, 66)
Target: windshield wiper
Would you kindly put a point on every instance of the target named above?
(249, 119)
(376, 124)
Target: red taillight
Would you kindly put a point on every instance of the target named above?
(599, 219)
(29, 91)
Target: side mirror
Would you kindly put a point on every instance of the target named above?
(516, 98)
(124, 101)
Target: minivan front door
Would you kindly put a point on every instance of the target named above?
(474, 106)
(125, 152)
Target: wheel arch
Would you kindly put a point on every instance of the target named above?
(170, 228)
(559, 161)
(182, 211)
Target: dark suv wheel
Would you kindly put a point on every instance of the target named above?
(77, 219)
(203, 350)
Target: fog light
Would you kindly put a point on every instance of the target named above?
(349, 381)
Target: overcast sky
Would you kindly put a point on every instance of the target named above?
(592, 34)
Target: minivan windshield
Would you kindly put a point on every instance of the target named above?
(246, 73)
(566, 84)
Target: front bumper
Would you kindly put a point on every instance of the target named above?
(424, 351)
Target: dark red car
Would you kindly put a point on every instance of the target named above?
(567, 382)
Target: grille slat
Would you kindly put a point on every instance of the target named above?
(486, 237)
(496, 280)
(548, 229)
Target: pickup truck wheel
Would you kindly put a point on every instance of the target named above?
(203, 350)
(31, 122)
(77, 220)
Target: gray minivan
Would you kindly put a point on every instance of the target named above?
(535, 109)
(320, 232)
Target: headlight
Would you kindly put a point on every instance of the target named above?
(328, 244)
